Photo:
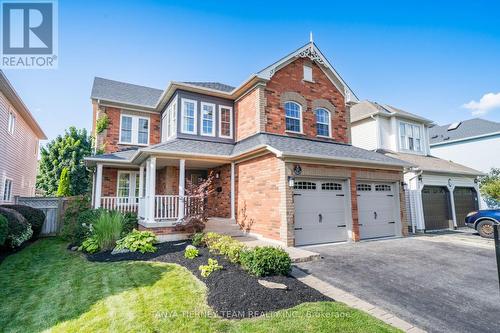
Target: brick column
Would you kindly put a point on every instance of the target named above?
(354, 207)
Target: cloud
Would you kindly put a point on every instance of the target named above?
(487, 103)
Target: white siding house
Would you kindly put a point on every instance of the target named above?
(439, 192)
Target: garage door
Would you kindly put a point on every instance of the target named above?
(435, 202)
(320, 211)
(465, 202)
(376, 210)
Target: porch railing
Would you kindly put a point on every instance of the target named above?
(121, 204)
(166, 206)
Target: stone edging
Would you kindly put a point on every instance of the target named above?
(354, 302)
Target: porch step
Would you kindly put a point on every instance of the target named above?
(224, 226)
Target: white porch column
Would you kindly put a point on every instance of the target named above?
(141, 181)
(182, 181)
(151, 186)
(233, 212)
(452, 203)
(98, 186)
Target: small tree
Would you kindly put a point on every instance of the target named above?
(490, 188)
(63, 190)
(197, 215)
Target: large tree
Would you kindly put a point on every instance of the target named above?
(490, 188)
(68, 152)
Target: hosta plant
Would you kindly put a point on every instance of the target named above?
(142, 241)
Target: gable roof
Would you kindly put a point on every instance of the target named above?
(11, 94)
(151, 98)
(467, 129)
(126, 93)
(434, 164)
(366, 109)
(282, 146)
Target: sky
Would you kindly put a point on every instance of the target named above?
(438, 59)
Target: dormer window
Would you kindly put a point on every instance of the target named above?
(308, 73)
(322, 122)
(207, 119)
(410, 137)
(189, 115)
(293, 117)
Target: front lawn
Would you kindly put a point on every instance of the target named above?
(46, 287)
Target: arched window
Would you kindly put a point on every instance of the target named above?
(322, 122)
(293, 117)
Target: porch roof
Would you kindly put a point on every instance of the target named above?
(281, 146)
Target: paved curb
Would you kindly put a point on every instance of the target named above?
(352, 301)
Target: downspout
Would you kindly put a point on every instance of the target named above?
(413, 226)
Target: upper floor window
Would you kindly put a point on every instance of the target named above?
(134, 130)
(169, 121)
(410, 137)
(7, 190)
(12, 123)
(293, 117)
(225, 122)
(189, 116)
(308, 73)
(207, 119)
(322, 122)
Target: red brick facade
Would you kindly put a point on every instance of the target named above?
(219, 199)
(290, 79)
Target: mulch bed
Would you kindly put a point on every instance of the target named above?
(232, 292)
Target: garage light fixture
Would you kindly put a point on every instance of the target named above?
(291, 181)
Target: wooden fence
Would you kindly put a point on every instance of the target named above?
(53, 208)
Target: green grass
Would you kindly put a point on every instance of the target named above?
(47, 288)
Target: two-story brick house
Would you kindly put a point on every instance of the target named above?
(20, 135)
(278, 145)
(439, 193)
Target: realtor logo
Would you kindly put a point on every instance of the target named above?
(29, 34)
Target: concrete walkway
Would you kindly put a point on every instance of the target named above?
(229, 227)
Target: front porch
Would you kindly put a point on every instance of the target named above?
(158, 190)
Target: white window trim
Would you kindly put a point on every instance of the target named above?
(329, 123)
(170, 111)
(230, 121)
(195, 127)
(5, 188)
(135, 130)
(132, 180)
(11, 123)
(300, 118)
(214, 112)
(403, 146)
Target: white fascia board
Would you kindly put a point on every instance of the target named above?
(341, 159)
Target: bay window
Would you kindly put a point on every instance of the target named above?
(225, 122)
(169, 122)
(207, 119)
(189, 115)
(410, 137)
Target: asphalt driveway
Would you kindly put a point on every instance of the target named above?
(435, 283)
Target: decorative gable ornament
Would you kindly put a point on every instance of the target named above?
(312, 54)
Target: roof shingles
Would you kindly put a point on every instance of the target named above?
(467, 129)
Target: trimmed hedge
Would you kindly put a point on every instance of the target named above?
(35, 217)
(19, 229)
(4, 229)
(267, 260)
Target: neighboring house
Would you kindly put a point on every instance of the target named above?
(473, 142)
(278, 145)
(439, 193)
(19, 141)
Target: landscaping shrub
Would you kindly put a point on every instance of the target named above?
(90, 245)
(107, 229)
(4, 229)
(141, 241)
(224, 245)
(213, 265)
(197, 239)
(191, 252)
(35, 217)
(19, 229)
(129, 222)
(267, 260)
(73, 230)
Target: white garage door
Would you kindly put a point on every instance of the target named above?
(320, 211)
(376, 210)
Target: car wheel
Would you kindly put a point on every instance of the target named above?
(485, 229)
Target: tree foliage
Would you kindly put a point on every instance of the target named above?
(490, 188)
(68, 152)
(63, 189)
